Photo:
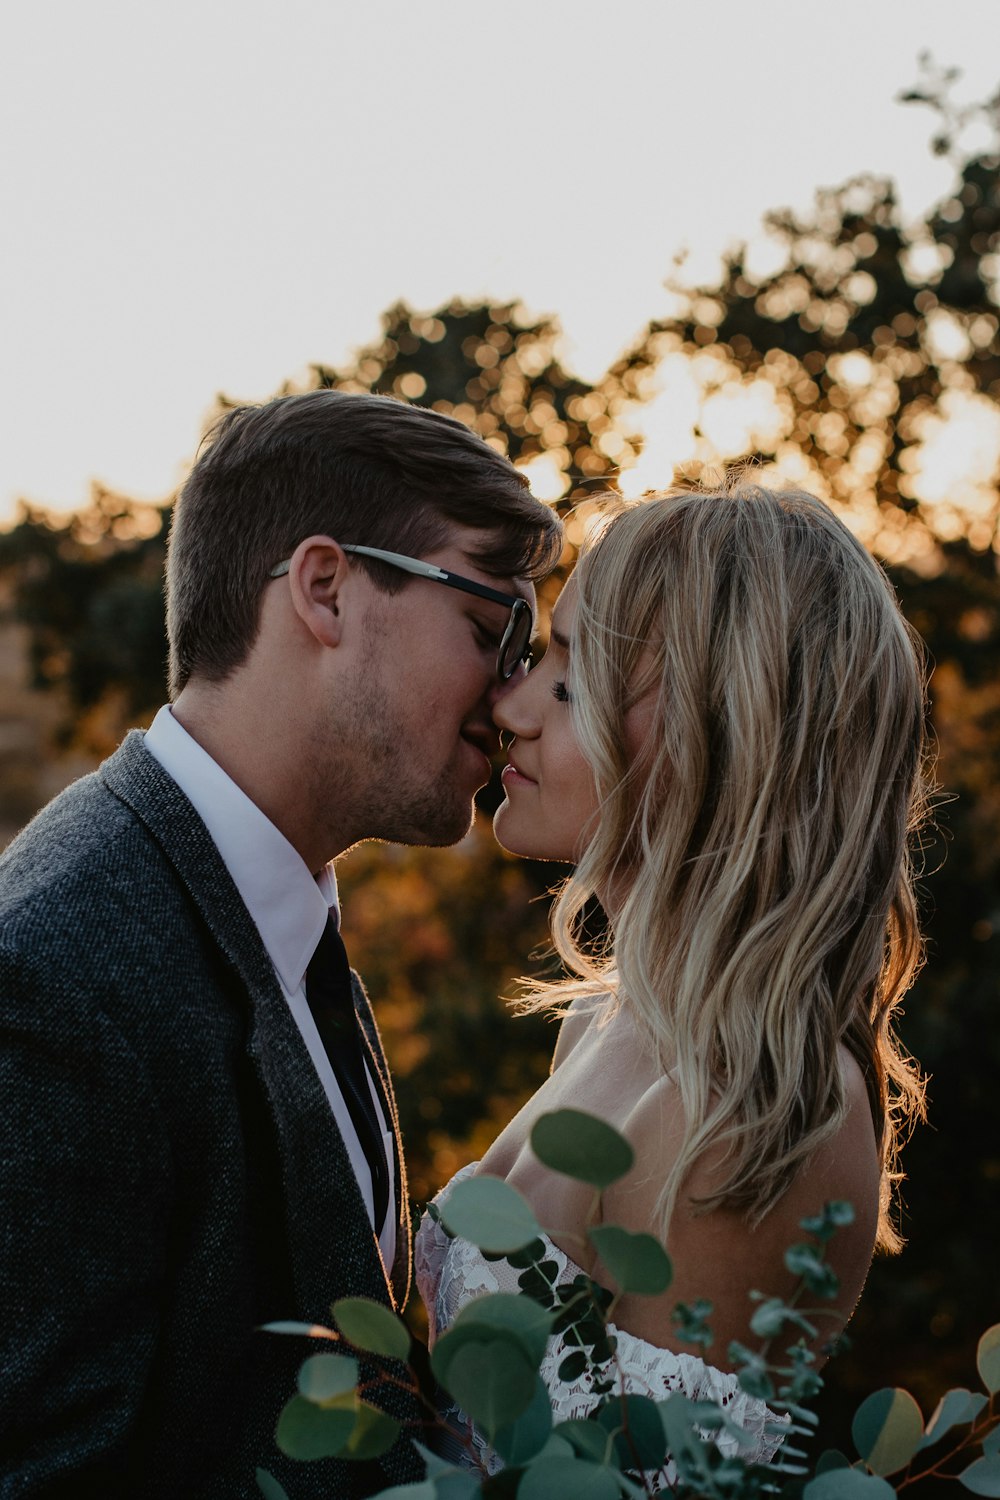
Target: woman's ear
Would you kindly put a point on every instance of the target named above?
(317, 573)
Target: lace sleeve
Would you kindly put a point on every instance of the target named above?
(451, 1272)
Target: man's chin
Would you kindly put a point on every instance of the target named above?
(435, 828)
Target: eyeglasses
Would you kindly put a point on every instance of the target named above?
(515, 643)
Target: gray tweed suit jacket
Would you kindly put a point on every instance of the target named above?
(171, 1176)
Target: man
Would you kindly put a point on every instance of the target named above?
(200, 1134)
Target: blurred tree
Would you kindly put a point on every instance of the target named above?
(500, 373)
(89, 589)
(864, 365)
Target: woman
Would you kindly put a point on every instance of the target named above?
(726, 736)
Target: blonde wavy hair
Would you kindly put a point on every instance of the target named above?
(760, 842)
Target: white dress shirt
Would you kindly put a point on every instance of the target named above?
(289, 908)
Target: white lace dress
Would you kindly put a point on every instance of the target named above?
(450, 1272)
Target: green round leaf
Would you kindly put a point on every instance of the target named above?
(806, 1262)
(308, 1431)
(490, 1214)
(574, 1477)
(638, 1262)
(982, 1477)
(954, 1408)
(370, 1326)
(325, 1376)
(269, 1486)
(493, 1382)
(988, 1358)
(581, 1146)
(588, 1439)
(519, 1318)
(848, 1484)
(832, 1458)
(374, 1433)
(645, 1445)
(887, 1430)
(529, 1433)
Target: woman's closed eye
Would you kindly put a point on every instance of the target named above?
(561, 693)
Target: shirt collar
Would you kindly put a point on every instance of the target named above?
(288, 904)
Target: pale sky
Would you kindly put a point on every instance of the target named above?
(208, 195)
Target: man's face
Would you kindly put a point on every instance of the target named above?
(420, 726)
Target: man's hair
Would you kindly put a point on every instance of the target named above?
(359, 468)
(762, 836)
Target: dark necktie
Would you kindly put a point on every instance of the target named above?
(328, 991)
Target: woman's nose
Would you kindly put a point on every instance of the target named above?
(511, 703)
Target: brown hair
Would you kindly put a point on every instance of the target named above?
(365, 469)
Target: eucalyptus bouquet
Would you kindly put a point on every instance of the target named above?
(627, 1444)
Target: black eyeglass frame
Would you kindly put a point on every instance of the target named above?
(515, 643)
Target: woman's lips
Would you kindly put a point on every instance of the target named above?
(514, 774)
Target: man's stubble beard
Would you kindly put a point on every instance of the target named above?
(390, 799)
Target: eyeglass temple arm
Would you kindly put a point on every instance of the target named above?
(420, 569)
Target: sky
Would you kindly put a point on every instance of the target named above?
(209, 195)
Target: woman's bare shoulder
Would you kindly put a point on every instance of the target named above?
(716, 1255)
(575, 1024)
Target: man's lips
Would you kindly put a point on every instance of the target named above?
(486, 741)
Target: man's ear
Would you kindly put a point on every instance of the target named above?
(317, 573)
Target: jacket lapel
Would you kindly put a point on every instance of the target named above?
(333, 1249)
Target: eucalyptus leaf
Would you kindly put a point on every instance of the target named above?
(823, 1226)
(458, 1484)
(573, 1366)
(712, 1417)
(582, 1147)
(954, 1408)
(374, 1433)
(771, 1316)
(307, 1431)
(638, 1262)
(435, 1464)
(988, 1358)
(887, 1430)
(301, 1330)
(528, 1434)
(516, 1318)
(587, 1438)
(832, 1458)
(848, 1484)
(269, 1486)
(571, 1477)
(490, 1214)
(806, 1262)
(325, 1376)
(493, 1382)
(684, 1442)
(370, 1326)
(637, 1427)
(982, 1477)
(556, 1447)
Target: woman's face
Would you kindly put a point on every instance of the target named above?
(551, 796)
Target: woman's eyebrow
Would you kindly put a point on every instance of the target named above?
(559, 638)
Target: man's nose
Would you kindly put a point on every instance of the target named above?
(500, 687)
